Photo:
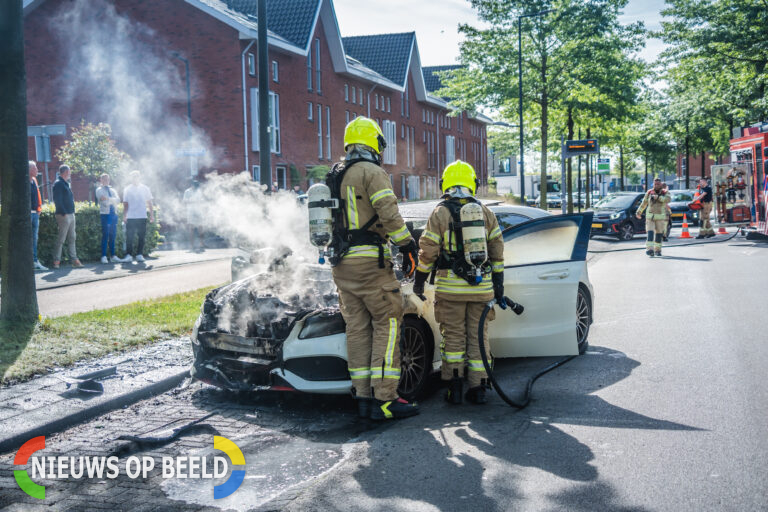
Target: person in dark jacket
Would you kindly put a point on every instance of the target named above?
(36, 205)
(65, 217)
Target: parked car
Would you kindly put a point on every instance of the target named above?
(679, 206)
(260, 333)
(615, 216)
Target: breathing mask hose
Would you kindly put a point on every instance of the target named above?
(517, 309)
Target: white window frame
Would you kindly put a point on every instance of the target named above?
(309, 71)
(389, 105)
(274, 120)
(450, 149)
(319, 131)
(346, 93)
(389, 156)
(251, 64)
(360, 95)
(353, 95)
(328, 132)
(275, 72)
(377, 101)
(310, 111)
(318, 73)
(256, 173)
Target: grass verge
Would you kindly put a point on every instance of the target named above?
(26, 351)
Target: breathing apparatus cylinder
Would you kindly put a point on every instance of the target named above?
(473, 235)
(319, 205)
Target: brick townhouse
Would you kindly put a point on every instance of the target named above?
(318, 82)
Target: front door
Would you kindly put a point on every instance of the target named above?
(544, 261)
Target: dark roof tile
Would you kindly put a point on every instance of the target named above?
(431, 80)
(387, 54)
(290, 19)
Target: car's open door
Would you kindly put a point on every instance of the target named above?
(543, 261)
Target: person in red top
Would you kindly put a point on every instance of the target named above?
(36, 204)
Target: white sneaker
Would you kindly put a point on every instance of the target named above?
(104, 260)
(115, 259)
(39, 266)
(140, 258)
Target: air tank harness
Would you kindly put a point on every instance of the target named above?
(517, 309)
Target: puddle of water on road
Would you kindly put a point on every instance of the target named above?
(270, 470)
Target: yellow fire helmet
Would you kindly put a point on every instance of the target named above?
(363, 130)
(459, 174)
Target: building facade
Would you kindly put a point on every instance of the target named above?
(318, 82)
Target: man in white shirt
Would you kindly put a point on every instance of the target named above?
(137, 200)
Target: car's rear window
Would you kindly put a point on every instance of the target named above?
(510, 219)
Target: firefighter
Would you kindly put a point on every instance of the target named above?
(656, 219)
(369, 293)
(459, 302)
(705, 197)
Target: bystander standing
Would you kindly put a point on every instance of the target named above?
(705, 197)
(65, 217)
(108, 200)
(37, 206)
(137, 200)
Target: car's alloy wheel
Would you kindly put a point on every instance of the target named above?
(416, 351)
(626, 231)
(583, 318)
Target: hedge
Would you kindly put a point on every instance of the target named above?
(88, 229)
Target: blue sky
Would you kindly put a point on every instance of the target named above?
(436, 22)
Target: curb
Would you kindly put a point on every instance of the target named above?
(82, 415)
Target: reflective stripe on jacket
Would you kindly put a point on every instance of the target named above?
(447, 284)
(656, 204)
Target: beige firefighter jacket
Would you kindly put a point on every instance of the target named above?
(656, 204)
(366, 191)
(449, 286)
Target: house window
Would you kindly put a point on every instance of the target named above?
(274, 120)
(450, 149)
(389, 105)
(328, 133)
(402, 104)
(377, 101)
(309, 71)
(423, 115)
(407, 103)
(274, 71)
(280, 177)
(413, 146)
(346, 92)
(309, 111)
(255, 174)
(346, 117)
(317, 66)
(360, 95)
(390, 135)
(251, 64)
(320, 132)
(353, 95)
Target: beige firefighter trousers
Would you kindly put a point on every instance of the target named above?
(704, 222)
(656, 230)
(460, 348)
(372, 307)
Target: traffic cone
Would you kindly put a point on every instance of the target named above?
(722, 231)
(685, 233)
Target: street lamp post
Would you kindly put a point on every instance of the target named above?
(520, 92)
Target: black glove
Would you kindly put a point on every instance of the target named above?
(498, 288)
(410, 253)
(419, 279)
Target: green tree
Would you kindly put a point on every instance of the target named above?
(92, 152)
(562, 53)
(19, 299)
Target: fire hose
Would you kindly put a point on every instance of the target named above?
(518, 310)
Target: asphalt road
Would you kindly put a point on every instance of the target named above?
(665, 411)
(140, 285)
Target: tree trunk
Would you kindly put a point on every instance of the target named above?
(544, 134)
(569, 169)
(621, 167)
(19, 300)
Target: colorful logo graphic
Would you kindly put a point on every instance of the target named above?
(21, 475)
(235, 478)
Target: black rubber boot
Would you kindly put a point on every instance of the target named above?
(477, 395)
(455, 389)
(363, 407)
(393, 409)
(649, 252)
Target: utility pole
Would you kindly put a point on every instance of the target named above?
(265, 147)
(19, 303)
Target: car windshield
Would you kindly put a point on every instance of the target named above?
(681, 196)
(615, 201)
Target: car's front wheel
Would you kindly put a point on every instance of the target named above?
(416, 351)
(626, 231)
(583, 318)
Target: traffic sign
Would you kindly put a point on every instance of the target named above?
(44, 130)
(603, 166)
(581, 147)
(190, 152)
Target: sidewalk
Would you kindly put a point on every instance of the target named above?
(68, 276)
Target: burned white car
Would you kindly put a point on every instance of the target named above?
(281, 328)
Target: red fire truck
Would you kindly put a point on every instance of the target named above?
(749, 148)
